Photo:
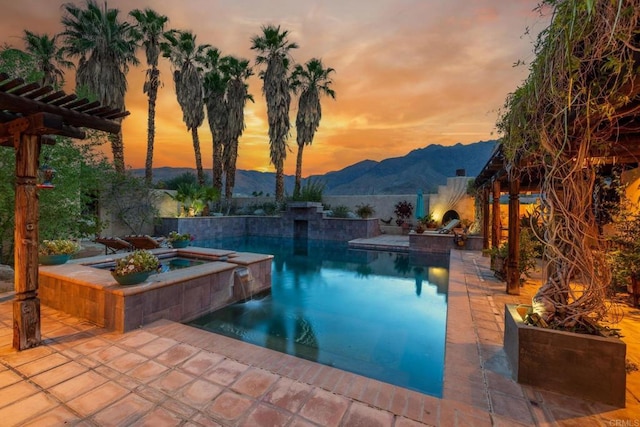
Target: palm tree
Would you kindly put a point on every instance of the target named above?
(49, 58)
(312, 80)
(238, 71)
(185, 56)
(105, 47)
(215, 86)
(273, 49)
(151, 27)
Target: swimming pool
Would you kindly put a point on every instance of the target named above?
(377, 314)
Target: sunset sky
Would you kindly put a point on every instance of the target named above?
(409, 73)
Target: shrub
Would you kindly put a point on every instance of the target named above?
(403, 211)
(340, 211)
(365, 210)
(136, 262)
(311, 191)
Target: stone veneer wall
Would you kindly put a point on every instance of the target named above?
(308, 216)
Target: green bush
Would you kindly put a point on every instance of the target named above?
(365, 210)
(340, 211)
(311, 191)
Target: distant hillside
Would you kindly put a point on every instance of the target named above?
(424, 168)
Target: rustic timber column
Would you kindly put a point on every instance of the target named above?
(26, 304)
(496, 226)
(485, 217)
(513, 273)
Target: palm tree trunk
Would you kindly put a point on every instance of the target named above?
(196, 150)
(117, 148)
(151, 126)
(230, 181)
(217, 164)
(279, 184)
(296, 189)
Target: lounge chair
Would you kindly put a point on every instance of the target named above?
(450, 226)
(114, 244)
(143, 241)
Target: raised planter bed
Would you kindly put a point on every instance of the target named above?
(584, 366)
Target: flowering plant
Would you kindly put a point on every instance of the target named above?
(58, 247)
(174, 236)
(136, 262)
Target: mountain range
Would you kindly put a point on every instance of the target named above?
(423, 168)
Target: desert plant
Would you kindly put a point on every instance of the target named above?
(340, 211)
(365, 210)
(311, 191)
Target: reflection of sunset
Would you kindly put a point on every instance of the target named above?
(408, 73)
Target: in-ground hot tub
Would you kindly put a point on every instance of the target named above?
(217, 279)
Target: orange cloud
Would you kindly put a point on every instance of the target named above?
(409, 73)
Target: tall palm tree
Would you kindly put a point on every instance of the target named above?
(215, 86)
(273, 49)
(151, 27)
(105, 47)
(238, 71)
(312, 80)
(186, 56)
(48, 56)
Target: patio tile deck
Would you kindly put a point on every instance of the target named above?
(171, 374)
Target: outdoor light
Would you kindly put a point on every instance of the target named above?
(45, 177)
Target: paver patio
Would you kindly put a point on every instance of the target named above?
(171, 374)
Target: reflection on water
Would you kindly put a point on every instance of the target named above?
(378, 314)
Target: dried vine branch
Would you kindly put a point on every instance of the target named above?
(569, 108)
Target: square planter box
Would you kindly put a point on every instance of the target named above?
(585, 366)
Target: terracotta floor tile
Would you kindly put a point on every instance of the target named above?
(157, 346)
(511, 407)
(254, 382)
(126, 362)
(30, 407)
(363, 415)
(199, 393)
(229, 406)
(176, 354)
(107, 354)
(325, 408)
(406, 422)
(226, 372)
(97, 399)
(159, 417)
(91, 345)
(264, 415)
(172, 381)
(137, 338)
(16, 391)
(147, 371)
(77, 385)
(59, 374)
(8, 377)
(124, 411)
(201, 363)
(288, 394)
(58, 416)
(43, 364)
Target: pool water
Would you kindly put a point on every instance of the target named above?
(377, 314)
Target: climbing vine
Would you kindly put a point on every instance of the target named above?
(565, 117)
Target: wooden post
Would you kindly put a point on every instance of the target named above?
(26, 304)
(496, 226)
(485, 217)
(513, 272)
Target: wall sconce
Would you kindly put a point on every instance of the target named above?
(45, 177)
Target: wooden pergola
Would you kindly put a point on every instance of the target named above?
(29, 113)
(493, 180)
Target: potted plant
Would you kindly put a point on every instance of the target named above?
(403, 211)
(365, 210)
(135, 267)
(428, 222)
(180, 240)
(52, 252)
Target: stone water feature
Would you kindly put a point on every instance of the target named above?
(82, 290)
